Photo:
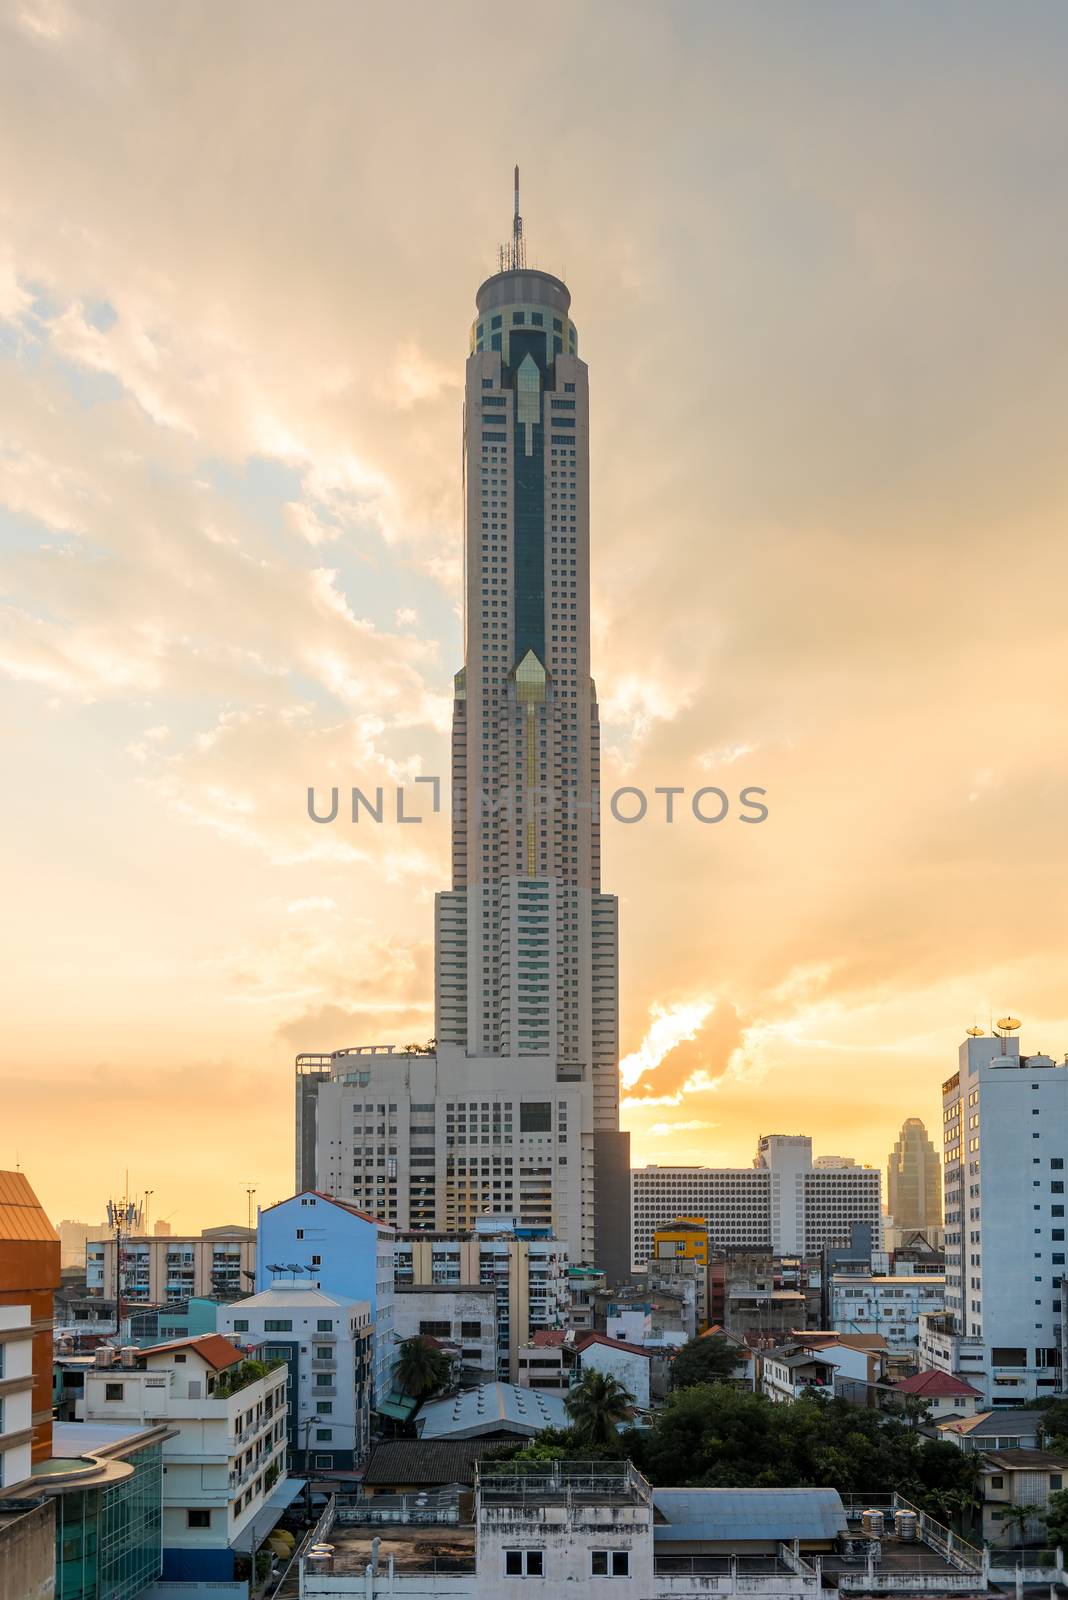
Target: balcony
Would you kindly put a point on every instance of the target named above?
(326, 1365)
(323, 1391)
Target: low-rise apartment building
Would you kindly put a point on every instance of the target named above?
(327, 1345)
(888, 1305)
(226, 1417)
(159, 1271)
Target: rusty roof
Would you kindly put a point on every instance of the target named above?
(21, 1214)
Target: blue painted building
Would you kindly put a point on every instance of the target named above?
(339, 1249)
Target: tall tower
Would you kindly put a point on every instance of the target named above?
(526, 942)
(914, 1180)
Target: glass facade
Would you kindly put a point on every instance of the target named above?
(109, 1541)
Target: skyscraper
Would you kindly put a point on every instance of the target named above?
(914, 1180)
(526, 970)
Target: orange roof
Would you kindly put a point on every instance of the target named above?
(212, 1347)
(21, 1215)
(544, 1337)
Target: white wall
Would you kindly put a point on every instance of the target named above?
(16, 1410)
(631, 1370)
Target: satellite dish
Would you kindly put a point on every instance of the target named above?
(974, 1033)
(1008, 1024)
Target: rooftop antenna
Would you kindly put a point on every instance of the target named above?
(513, 257)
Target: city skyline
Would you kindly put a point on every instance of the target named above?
(232, 532)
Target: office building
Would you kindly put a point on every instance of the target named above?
(517, 1110)
(914, 1182)
(326, 1343)
(224, 1452)
(105, 1481)
(341, 1250)
(29, 1278)
(1005, 1122)
(165, 1270)
(783, 1204)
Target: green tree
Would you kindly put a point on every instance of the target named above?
(709, 1359)
(1055, 1518)
(422, 1369)
(597, 1405)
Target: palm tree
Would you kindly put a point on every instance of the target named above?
(421, 1368)
(1017, 1520)
(597, 1405)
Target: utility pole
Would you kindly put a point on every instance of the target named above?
(250, 1191)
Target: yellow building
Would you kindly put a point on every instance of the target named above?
(685, 1238)
(680, 1249)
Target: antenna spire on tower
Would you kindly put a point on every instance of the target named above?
(513, 257)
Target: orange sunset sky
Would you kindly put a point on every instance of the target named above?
(817, 256)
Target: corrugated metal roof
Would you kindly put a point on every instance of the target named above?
(433, 1462)
(492, 1407)
(724, 1516)
(21, 1214)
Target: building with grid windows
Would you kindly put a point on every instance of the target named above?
(1005, 1131)
(517, 1108)
(784, 1204)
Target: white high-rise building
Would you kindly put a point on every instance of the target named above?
(1005, 1122)
(518, 1109)
(784, 1203)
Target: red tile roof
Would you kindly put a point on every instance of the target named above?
(613, 1344)
(935, 1385)
(548, 1336)
(343, 1205)
(212, 1347)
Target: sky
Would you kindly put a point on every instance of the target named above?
(817, 257)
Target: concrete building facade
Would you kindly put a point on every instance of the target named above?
(1005, 1121)
(784, 1203)
(526, 1268)
(220, 1262)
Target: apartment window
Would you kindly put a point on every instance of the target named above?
(471, 1330)
(240, 1324)
(198, 1517)
(324, 1325)
(323, 1352)
(113, 1391)
(997, 1481)
(524, 1563)
(610, 1563)
(435, 1330)
(324, 1434)
(278, 1325)
(324, 1408)
(324, 1380)
(1055, 1480)
(1057, 1187)
(324, 1461)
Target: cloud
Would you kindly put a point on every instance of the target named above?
(684, 1061)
